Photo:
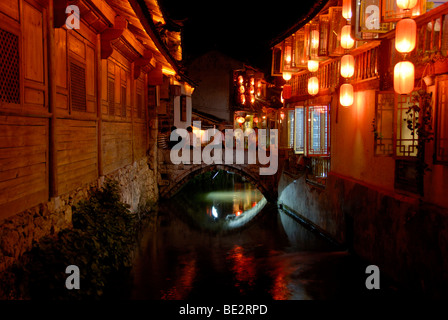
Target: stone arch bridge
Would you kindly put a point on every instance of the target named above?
(173, 176)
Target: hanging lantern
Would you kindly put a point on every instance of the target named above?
(314, 34)
(404, 77)
(406, 4)
(282, 116)
(347, 41)
(242, 89)
(287, 76)
(243, 99)
(313, 65)
(313, 86)
(346, 95)
(287, 90)
(347, 66)
(240, 79)
(405, 35)
(347, 9)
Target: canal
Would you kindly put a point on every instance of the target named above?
(210, 243)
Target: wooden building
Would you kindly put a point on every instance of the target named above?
(368, 160)
(81, 88)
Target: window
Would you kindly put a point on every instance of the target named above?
(78, 87)
(299, 137)
(111, 96)
(317, 131)
(123, 101)
(312, 139)
(441, 117)
(393, 115)
(383, 123)
(9, 68)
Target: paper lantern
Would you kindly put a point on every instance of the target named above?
(406, 4)
(347, 9)
(347, 66)
(313, 65)
(287, 76)
(313, 86)
(314, 34)
(404, 77)
(347, 41)
(346, 95)
(287, 90)
(405, 35)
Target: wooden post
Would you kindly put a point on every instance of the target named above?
(53, 163)
(99, 123)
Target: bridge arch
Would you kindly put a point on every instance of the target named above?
(177, 177)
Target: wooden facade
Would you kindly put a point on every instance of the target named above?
(74, 103)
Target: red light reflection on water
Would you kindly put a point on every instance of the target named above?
(184, 283)
(244, 267)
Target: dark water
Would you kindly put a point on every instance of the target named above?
(273, 257)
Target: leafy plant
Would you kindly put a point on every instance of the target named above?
(100, 244)
(419, 122)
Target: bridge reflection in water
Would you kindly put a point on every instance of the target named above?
(191, 254)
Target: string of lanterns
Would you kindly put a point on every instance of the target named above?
(405, 43)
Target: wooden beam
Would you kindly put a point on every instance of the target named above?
(141, 62)
(111, 34)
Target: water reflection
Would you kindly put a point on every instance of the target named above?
(220, 200)
(274, 257)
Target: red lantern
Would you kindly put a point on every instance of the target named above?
(404, 77)
(346, 95)
(347, 66)
(287, 90)
(405, 35)
(240, 120)
(406, 4)
(313, 86)
(347, 41)
(347, 9)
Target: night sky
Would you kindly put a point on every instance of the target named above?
(243, 29)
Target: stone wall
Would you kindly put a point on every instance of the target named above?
(18, 233)
(405, 237)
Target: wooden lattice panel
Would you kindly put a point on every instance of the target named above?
(9, 68)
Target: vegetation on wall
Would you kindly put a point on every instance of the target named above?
(100, 244)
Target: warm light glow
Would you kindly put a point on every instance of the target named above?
(404, 77)
(347, 9)
(240, 120)
(405, 35)
(282, 115)
(346, 39)
(313, 65)
(347, 66)
(346, 95)
(313, 86)
(242, 89)
(240, 79)
(406, 4)
(287, 54)
(287, 76)
(314, 39)
(169, 72)
(243, 99)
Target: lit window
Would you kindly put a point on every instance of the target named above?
(299, 136)
(317, 131)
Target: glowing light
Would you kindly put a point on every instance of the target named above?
(313, 86)
(347, 9)
(347, 41)
(214, 212)
(313, 65)
(240, 120)
(404, 77)
(314, 39)
(287, 76)
(347, 66)
(406, 4)
(405, 35)
(169, 72)
(346, 95)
